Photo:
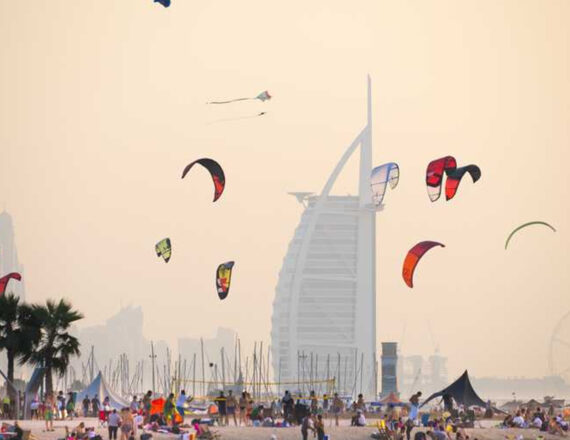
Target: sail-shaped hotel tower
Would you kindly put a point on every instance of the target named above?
(324, 312)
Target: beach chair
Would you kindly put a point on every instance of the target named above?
(383, 432)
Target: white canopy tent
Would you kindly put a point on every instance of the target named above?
(100, 388)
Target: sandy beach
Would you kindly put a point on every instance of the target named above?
(241, 433)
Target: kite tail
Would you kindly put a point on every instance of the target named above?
(230, 101)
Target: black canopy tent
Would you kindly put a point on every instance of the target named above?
(462, 392)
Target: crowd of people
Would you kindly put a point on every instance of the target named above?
(309, 413)
(545, 421)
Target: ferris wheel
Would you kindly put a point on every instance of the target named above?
(559, 351)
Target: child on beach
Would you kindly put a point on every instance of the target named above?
(320, 427)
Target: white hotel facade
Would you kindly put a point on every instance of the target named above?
(324, 312)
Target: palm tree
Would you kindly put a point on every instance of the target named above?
(18, 332)
(56, 346)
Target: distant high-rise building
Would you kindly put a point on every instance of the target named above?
(324, 312)
(438, 370)
(9, 255)
(418, 373)
(389, 362)
(120, 335)
(410, 377)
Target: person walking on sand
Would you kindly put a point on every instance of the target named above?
(231, 407)
(169, 410)
(95, 404)
(60, 402)
(180, 402)
(314, 403)
(320, 427)
(337, 407)
(415, 405)
(70, 405)
(127, 425)
(306, 426)
(49, 412)
(242, 408)
(85, 404)
(147, 399)
(113, 424)
(221, 401)
(134, 406)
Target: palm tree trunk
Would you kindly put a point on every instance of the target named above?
(10, 384)
(49, 381)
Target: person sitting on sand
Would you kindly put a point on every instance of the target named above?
(555, 428)
(518, 421)
(561, 422)
(436, 435)
(538, 414)
(358, 419)
(79, 431)
(16, 433)
(203, 431)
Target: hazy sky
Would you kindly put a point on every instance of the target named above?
(102, 106)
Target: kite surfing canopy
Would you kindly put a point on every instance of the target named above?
(224, 279)
(100, 388)
(462, 392)
(4, 281)
(216, 172)
(413, 257)
(164, 249)
(381, 176)
(454, 178)
(434, 175)
(524, 226)
(165, 3)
